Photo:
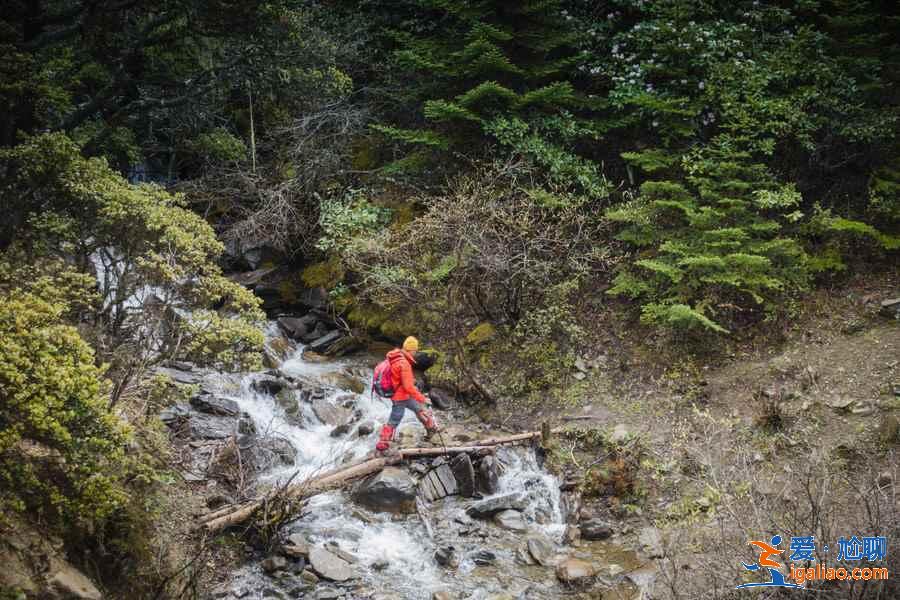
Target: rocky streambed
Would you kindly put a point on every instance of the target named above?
(476, 528)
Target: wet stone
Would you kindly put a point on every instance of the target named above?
(511, 520)
(595, 529)
(487, 476)
(541, 550)
(490, 506)
(464, 474)
(392, 490)
(483, 558)
(274, 563)
(446, 556)
(268, 385)
(309, 577)
(329, 565)
(210, 404)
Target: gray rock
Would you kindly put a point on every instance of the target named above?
(890, 308)
(541, 550)
(297, 327)
(595, 529)
(330, 414)
(441, 595)
(341, 553)
(173, 415)
(318, 331)
(438, 483)
(213, 405)
(68, 583)
(483, 558)
(573, 571)
(490, 506)
(464, 473)
(511, 520)
(274, 563)
(329, 594)
(309, 577)
(264, 453)
(180, 376)
(651, 542)
(391, 490)
(330, 566)
(441, 398)
(269, 385)
(365, 428)
(323, 343)
(340, 430)
(446, 556)
(487, 478)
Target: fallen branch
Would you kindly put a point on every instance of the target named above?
(230, 516)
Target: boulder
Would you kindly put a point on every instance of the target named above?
(274, 563)
(323, 343)
(464, 473)
(890, 308)
(265, 453)
(309, 577)
(490, 506)
(251, 279)
(511, 520)
(215, 405)
(365, 428)
(487, 477)
(483, 558)
(318, 331)
(595, 529)
(68, 583)
(269, 385)
(341, 553)
(180, 376)
(441, 398)
(541, 550)
(446, 556)
(438, 483)
(345, 382)
(297, 327)
(340, 430)
(573, 571)
(330, 566)
(330, 414)
(391, 490)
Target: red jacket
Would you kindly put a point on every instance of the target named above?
(402, 375)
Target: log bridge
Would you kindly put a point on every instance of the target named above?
(236, 514)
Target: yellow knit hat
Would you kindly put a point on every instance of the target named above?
(411, 344)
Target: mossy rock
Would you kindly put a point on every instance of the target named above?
(368, 317)
(481, 335)
(325, 274)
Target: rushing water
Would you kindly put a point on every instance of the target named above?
(395, 553)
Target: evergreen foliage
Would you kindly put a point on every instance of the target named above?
(715, 249)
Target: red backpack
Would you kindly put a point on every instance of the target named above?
(383, 380)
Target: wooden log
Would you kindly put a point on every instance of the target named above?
(230, 516)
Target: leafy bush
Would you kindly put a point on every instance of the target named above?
(154, 260)
(61, 450)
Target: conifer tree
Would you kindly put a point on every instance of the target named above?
(713, 247)
(492, 72)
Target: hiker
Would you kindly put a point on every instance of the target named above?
(394, 379)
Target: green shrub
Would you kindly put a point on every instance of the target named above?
(713, 250)
(60, 448)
